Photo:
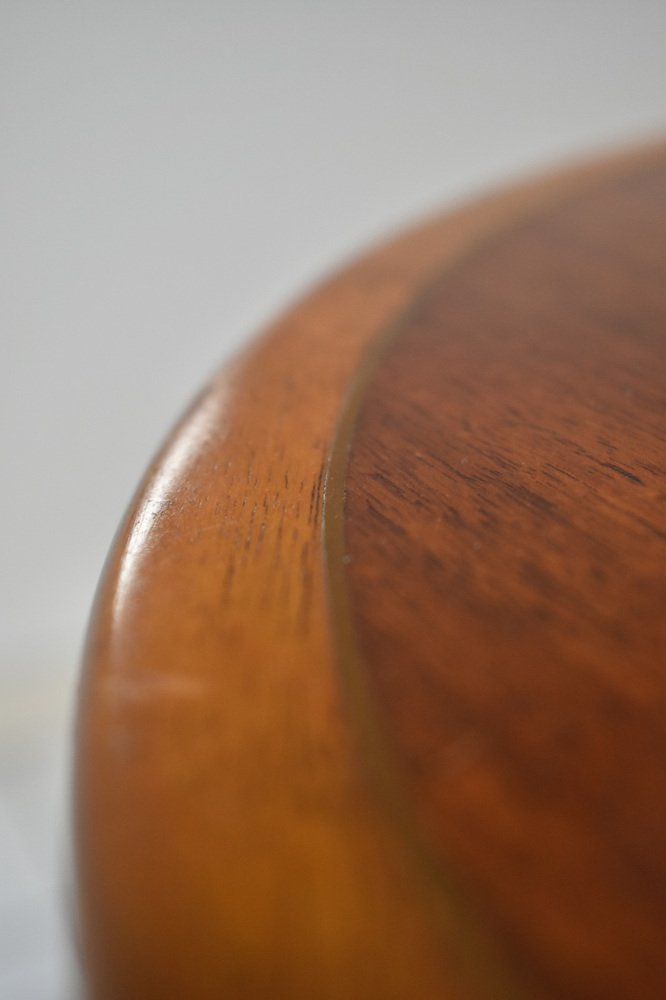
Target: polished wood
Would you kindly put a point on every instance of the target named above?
(505, 532)
(380, 756)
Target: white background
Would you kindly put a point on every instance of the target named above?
(171, 174)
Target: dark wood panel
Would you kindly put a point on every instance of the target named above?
(505, 549)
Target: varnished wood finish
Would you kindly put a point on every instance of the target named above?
(237, 833)
(505, 532)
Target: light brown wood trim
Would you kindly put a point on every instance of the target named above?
(229, 839)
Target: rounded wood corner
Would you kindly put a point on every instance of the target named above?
(238, 832)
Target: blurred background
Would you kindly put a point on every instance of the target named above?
(172, 174)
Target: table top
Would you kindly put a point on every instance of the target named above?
(373, 703)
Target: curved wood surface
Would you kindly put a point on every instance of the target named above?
(373, 701)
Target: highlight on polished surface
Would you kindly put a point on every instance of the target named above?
(373, 696)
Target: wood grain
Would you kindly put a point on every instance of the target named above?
(232, 835)
(505, 543)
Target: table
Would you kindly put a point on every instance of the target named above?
(373, 700)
